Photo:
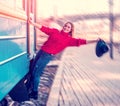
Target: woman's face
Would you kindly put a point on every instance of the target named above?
(67, 28)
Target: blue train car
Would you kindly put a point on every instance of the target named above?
(17, 45)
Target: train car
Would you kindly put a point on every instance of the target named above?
(17, 46)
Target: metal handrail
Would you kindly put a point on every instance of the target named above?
(12, 58)
(11, 37)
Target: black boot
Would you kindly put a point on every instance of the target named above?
(34, 95)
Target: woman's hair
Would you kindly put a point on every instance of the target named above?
(72, 28)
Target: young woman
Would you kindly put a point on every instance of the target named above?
(57, 41)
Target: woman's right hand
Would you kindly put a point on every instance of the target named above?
(30, 20)
(33, 23)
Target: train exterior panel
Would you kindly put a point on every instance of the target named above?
(16, 43)
(13, 54)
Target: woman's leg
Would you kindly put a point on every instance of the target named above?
(39, 68)
(44, 58)
(29, 84)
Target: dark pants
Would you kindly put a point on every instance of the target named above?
(41, 60)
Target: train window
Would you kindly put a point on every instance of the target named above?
(18, 5)
(14, 4)
(8, 2)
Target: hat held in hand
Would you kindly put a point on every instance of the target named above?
(101, 48)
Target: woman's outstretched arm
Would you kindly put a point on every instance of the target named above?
(34, 24)
(92, 41)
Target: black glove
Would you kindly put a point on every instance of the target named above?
(101, 48)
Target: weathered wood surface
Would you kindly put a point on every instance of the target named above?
(83, 79)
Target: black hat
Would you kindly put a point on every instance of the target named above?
(101, 48)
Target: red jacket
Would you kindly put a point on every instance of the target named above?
(58, 40)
